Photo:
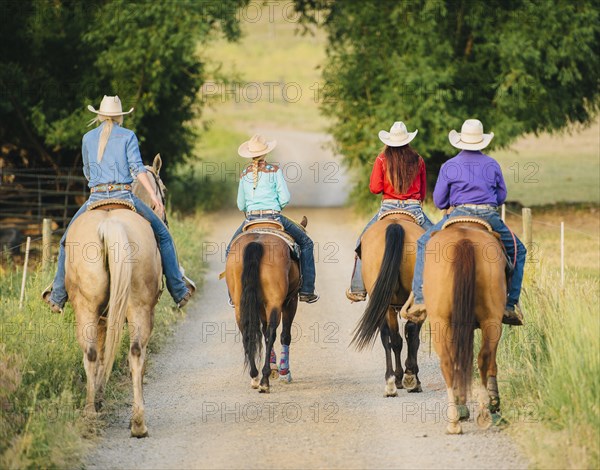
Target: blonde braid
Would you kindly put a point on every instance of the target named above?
(255, 162)
(105, 133)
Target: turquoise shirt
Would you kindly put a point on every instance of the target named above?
(121, 161)
(271, 191)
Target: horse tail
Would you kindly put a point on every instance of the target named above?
(251, 302)
(463, 316)
(388, 282)
(113, 234)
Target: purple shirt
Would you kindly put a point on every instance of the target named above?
(469, 178)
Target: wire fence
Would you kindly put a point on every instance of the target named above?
(557, 226)
(27, 196)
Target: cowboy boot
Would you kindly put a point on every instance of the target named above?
(54, 307)
(513, 316)
(416, 313)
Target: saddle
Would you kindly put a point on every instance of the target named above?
(404, 215)
(485, 224)
(111, 204)
(270, 227)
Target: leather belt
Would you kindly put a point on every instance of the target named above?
(403, 201)
(111, 187)
(263, 212)
(478, 206)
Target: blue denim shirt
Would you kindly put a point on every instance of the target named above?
(121, 161)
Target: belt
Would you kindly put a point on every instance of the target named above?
(111, 187)
(403, 201)
(478, 206)
(263, 212)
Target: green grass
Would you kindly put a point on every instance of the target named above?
(42, 381)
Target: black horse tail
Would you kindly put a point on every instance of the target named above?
(251, 302)
(463, 316)
(388, 282)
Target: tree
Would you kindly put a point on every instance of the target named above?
(59, 56)
(525, 66)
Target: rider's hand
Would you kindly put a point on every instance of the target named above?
(158, 206)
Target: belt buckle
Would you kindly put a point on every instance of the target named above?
(109, 187)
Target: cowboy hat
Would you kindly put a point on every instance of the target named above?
(471, 136)
(397, 136)
(110, 106)
(256, 146)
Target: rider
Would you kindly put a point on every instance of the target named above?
(471, 184)
(111, 159)
(262, 194)
(398, 173)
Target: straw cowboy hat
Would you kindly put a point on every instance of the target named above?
(256, 146)
(471, 136)
(110, 106)
(397, 136)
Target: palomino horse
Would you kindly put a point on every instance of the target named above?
(113, 274)
(464, 288)
(263, 280)
(388, 253)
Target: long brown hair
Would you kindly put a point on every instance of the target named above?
(402, 166)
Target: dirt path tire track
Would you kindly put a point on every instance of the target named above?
(202, 413)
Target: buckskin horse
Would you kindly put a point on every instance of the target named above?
(388, 253)
(465, 288)
(113, 274)
(263, 279)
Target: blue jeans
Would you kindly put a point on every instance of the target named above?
(307, 256)
(514, 289)
(357, 284)
(175, 284)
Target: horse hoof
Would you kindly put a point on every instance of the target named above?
(287, 378)
(254, 382)
(409, 382)
(390, 389)
(140, 434)
(264, 389)
(417, 389)
(484, 419)
(454, 428)
(463, 412)
(274, 372)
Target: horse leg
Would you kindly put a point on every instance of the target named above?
(390, 379)
(140, 328)
(396, 343)
(289, 312)
(87, 336)
(442, 342)
(100, 383)
(489, 398)
(270, 333)
(411, 381)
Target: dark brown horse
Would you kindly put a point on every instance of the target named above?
(465, 288)
(263, 280)
(388, 253)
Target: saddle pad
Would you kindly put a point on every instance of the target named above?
(109, 204)
(412, 217)
(475, 220)
(288, 239)
(269, 223)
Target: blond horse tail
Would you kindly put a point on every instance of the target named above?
(113, 234)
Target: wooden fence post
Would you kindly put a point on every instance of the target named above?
(562, 254)
(527, 225)
(24, 273)
(46, 242)
(503, 213)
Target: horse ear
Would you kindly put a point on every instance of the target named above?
(157, 163)
(304, 221)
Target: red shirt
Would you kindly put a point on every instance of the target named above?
(380, 182)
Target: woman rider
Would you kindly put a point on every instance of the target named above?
(111, 159)
(471, 184)
(262, 194)
(398, 173)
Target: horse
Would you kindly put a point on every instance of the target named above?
(264, 280)
(388, 253)
(113, 274)
(464, 287)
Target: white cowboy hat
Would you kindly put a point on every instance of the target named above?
(110, 106)
(256, 146)
(471, 136)
(397, 136)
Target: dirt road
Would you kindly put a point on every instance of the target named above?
(202, 413)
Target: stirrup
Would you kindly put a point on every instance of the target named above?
(54, 307)
(513, 316)
(416, 313)
(356, 296)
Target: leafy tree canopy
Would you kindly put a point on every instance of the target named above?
(521, 66)
(59, 56)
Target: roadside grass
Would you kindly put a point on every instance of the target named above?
(42, 380)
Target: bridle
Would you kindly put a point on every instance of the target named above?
(159, 191)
